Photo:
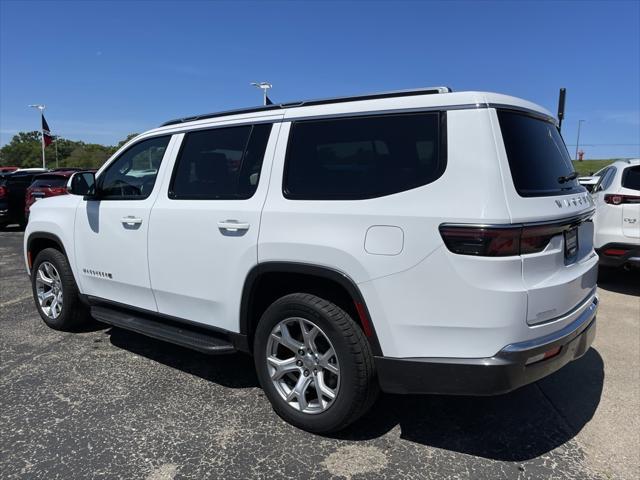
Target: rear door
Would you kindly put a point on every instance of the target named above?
(111, 231)
(543, 194)
(631, 202)
(205, 223)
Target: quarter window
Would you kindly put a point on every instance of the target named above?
(363, 157)
(133, 174)
(222, 163)
(631, 178)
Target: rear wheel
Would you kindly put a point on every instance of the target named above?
(314, 363)
(55, 291)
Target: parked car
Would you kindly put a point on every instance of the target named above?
(48, 184)
(589, 182)
(617, 219)
(8, 169)
(12, 195)
(418, 241)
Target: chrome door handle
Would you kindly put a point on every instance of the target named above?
(232, 225)
(130, 220)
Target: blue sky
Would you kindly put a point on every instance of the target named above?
(106, 69)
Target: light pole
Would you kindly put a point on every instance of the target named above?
(578, 140)
(264, 86)
(41, 108)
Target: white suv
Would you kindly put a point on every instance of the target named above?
(616, 194)
(418, 241)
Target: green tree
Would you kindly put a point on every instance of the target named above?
(24, 150)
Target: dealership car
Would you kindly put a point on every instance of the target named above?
(12, 195)
(46, 185)
(617, 219)
(422, 241)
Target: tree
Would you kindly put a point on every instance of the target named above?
(25, 150)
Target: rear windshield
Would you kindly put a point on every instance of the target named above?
(538, 158)
(49, 182)
(631, 178)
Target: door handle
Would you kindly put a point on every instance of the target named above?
(232, 225)
(130, 220)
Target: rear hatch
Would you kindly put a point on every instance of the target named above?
(45, 186)
(629, 199)
(559, 266)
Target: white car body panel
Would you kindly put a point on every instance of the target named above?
(424, 300)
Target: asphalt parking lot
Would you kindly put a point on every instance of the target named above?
(106, 403)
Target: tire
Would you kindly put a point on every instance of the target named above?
(349, 375)
(54, 265)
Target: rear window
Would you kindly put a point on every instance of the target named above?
(631, 178)
(48, 182)
(363, 157)
(538, 158)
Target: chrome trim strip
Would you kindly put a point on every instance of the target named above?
(583, 319)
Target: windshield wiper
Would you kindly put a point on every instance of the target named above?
(568, 178)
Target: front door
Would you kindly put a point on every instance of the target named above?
(204, 226)
(111, 230)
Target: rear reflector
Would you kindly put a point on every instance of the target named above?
(614, 252)
(544, 356)
(615, 199)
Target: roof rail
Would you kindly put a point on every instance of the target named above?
(305, 103)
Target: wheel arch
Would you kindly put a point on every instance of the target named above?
(38, 241)
(270, 280)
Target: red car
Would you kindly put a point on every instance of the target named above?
(47, 184)
(8, 169)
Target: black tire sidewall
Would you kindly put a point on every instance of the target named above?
(338, 414)
(68, 318)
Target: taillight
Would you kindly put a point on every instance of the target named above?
(58, 190)
(498, 241)
(483, 241)
(3, 192)
(616, 199)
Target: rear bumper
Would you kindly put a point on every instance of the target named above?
(631, 256)
(504, 372)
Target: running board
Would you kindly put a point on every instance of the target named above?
(180, 334)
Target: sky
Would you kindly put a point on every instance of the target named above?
(107, 69)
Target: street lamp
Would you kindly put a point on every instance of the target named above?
(41, 107)
(264, 86)
(578, 140)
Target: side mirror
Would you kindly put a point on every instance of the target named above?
(82, 183)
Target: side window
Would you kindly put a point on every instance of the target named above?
(631, 178)
(133, 174)
(607, 178)
(363, 157)
(222, 163)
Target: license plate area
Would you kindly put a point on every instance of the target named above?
(570, 245)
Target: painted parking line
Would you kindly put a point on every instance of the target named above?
(14, 301)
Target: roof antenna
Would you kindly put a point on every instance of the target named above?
(264, 86)
(563, 93)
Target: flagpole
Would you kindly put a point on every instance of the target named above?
(55, 137)
(41, 108)
(44, 163)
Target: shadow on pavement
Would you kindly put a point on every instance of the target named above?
(619, 280)
(515, 427)
(233, 371)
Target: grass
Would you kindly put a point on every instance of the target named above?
(586, 167)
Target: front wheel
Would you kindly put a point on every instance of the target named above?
(314, 363)
(55, 291)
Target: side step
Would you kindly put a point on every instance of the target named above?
(180, 334)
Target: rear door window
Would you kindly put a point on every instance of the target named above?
(538, 158)
(221, 163)
(49, 182)
(364, 157)
(631, 178)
